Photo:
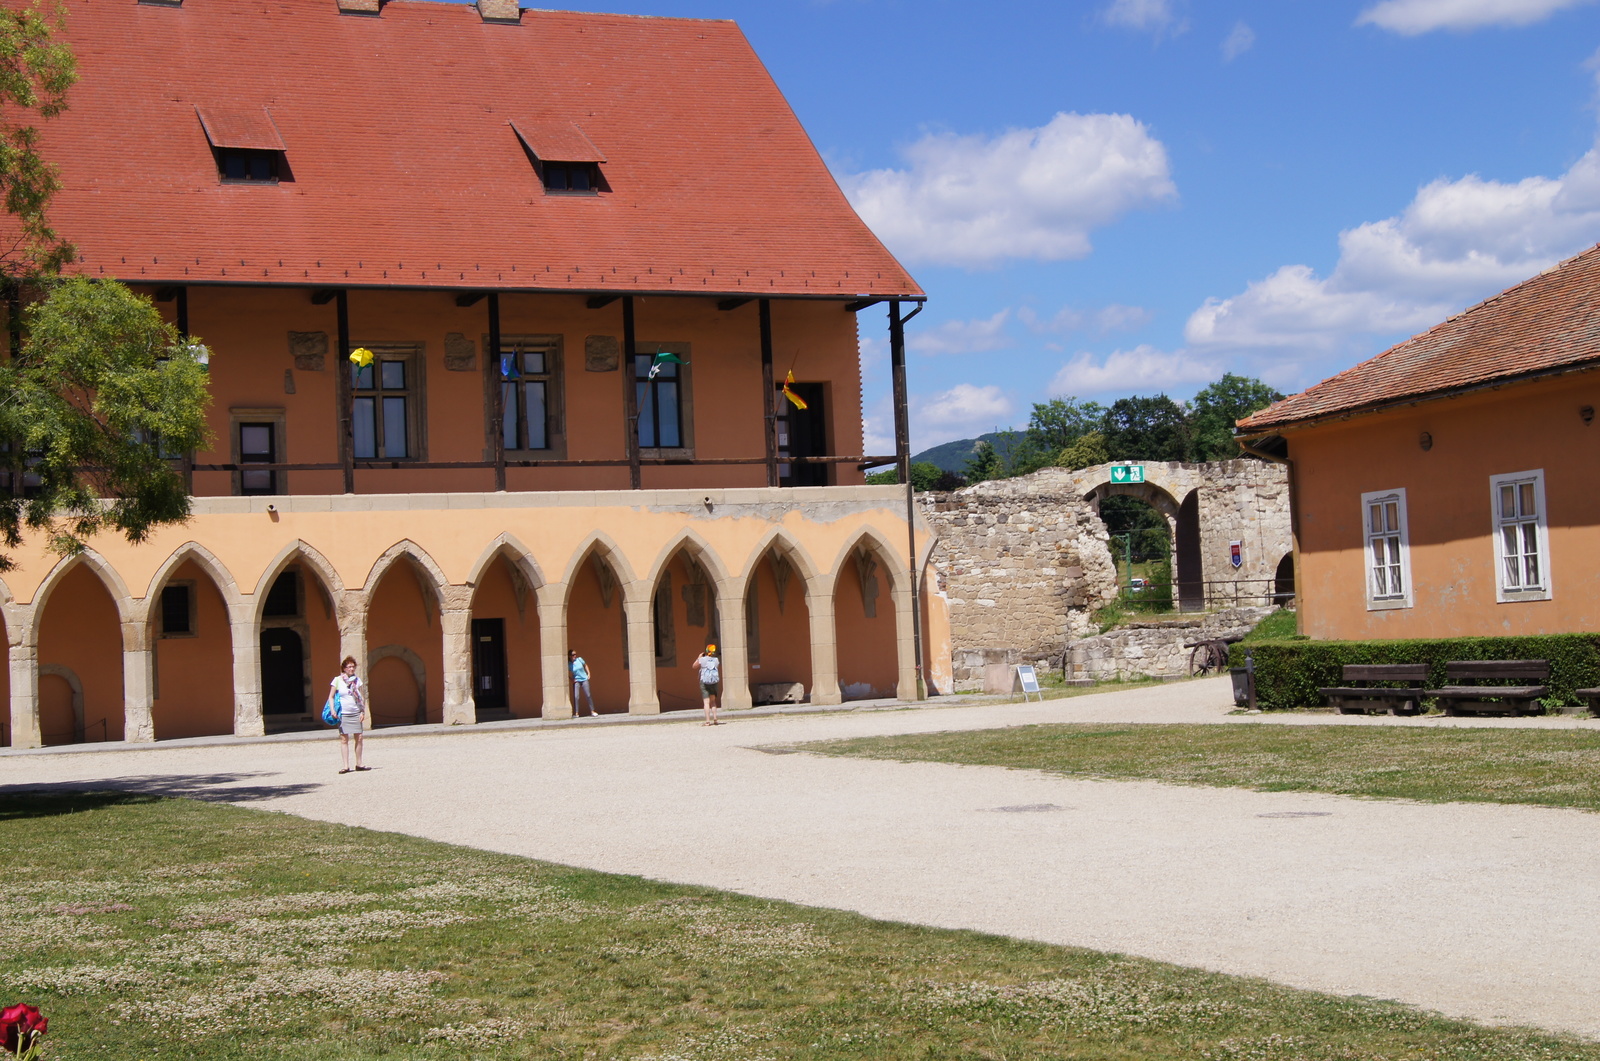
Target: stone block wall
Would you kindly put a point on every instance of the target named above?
(1021, 564)
(1155, 647)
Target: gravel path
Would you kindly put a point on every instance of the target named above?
(1478, 911)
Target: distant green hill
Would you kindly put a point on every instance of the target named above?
(953, 456)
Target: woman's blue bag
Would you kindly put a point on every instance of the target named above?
(330, 710)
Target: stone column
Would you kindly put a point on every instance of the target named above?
(552, 604)
(249, 719)
(138, 683)
(642, 696)
(351, 608)
(734, 650)
(905, 648)
(824, 645)
(24, 666)
(455, 620)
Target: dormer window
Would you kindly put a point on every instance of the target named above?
(246, 144)
(240, 164)
(566, 160)
(570, 176)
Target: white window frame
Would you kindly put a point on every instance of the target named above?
(1505, 594)
(1387, 601)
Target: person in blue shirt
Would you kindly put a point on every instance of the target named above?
(580, 683)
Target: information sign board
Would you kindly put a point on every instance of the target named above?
(1028, 679)
(1127, 473)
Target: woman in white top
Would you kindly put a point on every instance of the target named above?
(354, 715)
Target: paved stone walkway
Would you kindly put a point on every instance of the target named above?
(1479, 911)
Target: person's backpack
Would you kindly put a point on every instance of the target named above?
(330, 710)
(710, 671)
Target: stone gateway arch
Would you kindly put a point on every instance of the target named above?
(1024, 563)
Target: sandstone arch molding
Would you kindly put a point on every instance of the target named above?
(873, 635)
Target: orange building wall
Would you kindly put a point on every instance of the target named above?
(80, 630)
(785, 635)
(194, 674)
(399, 614)
(497, 599)
(866, 646)
(1513, 429)
(594, 631)
(247, 332)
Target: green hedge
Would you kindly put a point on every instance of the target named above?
(1289, 673)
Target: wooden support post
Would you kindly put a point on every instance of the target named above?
(343, 385)
(902, 452)
(630, 393)
(769, 409)
(497, 394)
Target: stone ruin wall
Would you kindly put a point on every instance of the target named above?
(1023, 563)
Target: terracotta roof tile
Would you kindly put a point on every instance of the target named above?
(1546, 324)
(407, 170)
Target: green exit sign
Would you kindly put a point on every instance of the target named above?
(1127, 473)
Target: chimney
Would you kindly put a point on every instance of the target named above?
(499, 11)
(360, 7)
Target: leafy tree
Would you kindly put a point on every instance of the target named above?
(35, 73)
(925, 475)
(101, 387)
(1147, 429)
(1059, 422)
(985, 464)
(1087, 451)
(1215, 409)
(1128, 515)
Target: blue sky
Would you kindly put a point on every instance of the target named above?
(1105, 197)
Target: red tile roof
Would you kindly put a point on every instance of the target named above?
(1550, 323)
(407, 169)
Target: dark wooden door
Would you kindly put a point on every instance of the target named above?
(489, 664)
(803, 433)
(283, 674)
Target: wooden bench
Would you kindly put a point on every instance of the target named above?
(1353, 699)
(1469, 689)
(1590, 697)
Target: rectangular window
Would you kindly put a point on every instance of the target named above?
(662, 390)
(386, 403)
(1522, 547)
(1388, 550)
(258, 444)
(177, 609)
(245, 166)
(525, 382)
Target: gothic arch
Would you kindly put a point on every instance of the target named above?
(508, 546)
(697, 547)
(888, 558)
(203, 558)
(102, 570)
(599, 542)
(796, 553)
(436, 583)
(298, 550)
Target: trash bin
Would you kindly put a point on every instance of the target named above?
(1241, 686)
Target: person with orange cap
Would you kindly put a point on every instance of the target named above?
(709, 668)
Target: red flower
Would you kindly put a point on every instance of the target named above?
(19, 1024)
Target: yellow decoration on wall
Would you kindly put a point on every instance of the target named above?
(361, 356)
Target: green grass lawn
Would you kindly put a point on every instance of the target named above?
(1554, 768)
(148, 928)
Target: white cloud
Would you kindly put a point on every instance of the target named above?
(1241, 40)
(960, 412)
(962, 337)
(1145, 15)
(1118, 318)
(1037, 193)
(1411, 17)
(1457, 242)
(1142, 369)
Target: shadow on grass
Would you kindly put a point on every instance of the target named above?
(58, 798)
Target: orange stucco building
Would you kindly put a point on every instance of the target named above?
(518, 214)
(1450, 486)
